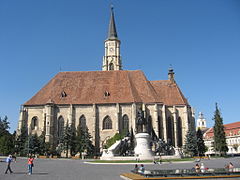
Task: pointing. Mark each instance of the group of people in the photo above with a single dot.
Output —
(10, 159)
(202, 168)
(139, 169)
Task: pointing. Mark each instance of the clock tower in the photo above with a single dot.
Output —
(112, 59)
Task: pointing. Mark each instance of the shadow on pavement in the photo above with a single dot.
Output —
(40, 173)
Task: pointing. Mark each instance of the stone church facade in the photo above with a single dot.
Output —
(107, 102)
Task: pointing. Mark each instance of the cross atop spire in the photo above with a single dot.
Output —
(112, 32)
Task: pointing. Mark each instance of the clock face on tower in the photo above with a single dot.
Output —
(111, 49)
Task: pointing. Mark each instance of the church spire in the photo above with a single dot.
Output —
(112, 58)
(112, 32)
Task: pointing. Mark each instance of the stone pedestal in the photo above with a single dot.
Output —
(142, 150)
(177, 153)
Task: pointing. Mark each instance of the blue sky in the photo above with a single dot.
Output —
(201, 39)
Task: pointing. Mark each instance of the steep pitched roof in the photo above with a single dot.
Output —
(230, 130)
(169, 93)
(88, 87)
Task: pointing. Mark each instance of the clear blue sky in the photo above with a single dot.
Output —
(201, 39)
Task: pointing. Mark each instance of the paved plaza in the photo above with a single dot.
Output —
(65, 169)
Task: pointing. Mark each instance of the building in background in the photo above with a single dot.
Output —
(201, 122)
(232, 132)
(107, 102)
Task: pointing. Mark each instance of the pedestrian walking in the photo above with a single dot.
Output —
(8, 161)
(30, 165)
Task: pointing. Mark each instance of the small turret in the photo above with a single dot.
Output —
(171, 74)
(201, 122)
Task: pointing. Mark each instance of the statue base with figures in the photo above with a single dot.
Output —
(142, 150)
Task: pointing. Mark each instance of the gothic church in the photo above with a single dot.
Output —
(107, 102)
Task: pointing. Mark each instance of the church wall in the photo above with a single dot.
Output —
(126, 109)
(35, 111)
(111, 111)
(62, 111)
(186, 116)
(115, 112)
(151, 110)
(181, 114)
(87, 111)
(159, 124)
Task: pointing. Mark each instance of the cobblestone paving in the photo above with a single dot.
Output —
(64, 169)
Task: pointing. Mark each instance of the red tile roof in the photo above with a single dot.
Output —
(169, 92)
(230, 130)
(100, 87)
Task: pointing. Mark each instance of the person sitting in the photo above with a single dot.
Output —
(229, 166)
(202, 167)
(141, 169)
(197, 168)
(136, 168)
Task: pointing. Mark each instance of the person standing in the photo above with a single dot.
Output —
(30, 165)
(8, 161)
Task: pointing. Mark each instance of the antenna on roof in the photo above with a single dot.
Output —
(60, 69)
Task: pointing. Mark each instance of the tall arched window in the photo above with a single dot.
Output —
(179, 132)
(160, 127)
(149, 125)
(34, 123)
(107, 123)
(111, 66)
(82, 122)
(170, 130)
(125, 125)
(60, 126)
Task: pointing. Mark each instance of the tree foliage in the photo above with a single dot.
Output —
(4, 126)
(220, 144)
(113, 139)
(6, 138)
(84, 142)
(200, 143)
(69, 139)
(33, 144)
(191, 143)
(20, 142)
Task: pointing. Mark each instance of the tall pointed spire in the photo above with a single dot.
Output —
(112, 32)
(112, 58)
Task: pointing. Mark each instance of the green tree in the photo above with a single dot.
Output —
(191, 143)
(84, 142)
(113, 139)
(42, 145)
(4, 126)
(69, 139)
(33, 144)
(6, 144)
(200, 143)
(20, 142)
(6, 138)
(220, 144)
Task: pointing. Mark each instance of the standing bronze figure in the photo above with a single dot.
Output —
(141, 122)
